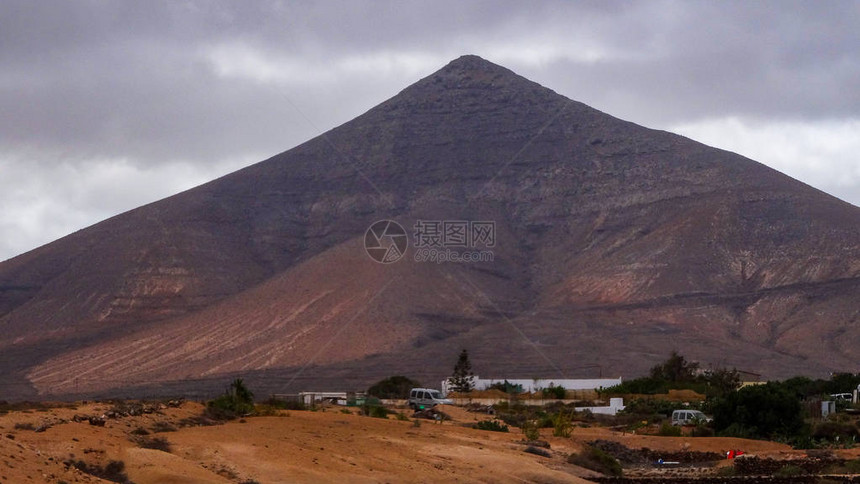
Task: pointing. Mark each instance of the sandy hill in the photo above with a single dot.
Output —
(614, 244)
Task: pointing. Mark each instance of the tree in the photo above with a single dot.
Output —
(723, 380)
(240, 392)
(759, 411)
(462, 380)
(393, 387)
(675, 369)
(236, 401)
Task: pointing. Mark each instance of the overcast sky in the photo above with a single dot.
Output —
(107, 105)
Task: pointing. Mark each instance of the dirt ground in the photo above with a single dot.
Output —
(303, 446)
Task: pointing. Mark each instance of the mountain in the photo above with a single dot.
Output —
(613, 245)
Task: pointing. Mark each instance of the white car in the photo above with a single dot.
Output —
(421, 398)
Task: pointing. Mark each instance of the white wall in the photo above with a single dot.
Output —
(532, 385)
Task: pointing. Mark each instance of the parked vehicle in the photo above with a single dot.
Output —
(688, 417)
(421, 398)
(845, 397)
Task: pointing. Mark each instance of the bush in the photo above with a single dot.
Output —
(265, 410)
(491, 425)
(157, 443)
(530, 430)
(163, 427)
(596, 460)
(561, 424)
(669, 430)
(554, 391)
(763, 411)
(676, 373)
(507, 387)
(114, 471)
(238, 401)
(737, 430)
(702, 431)
(376, 411)
(647, 408)
(393, 387)
(513, 419)
(835, 431)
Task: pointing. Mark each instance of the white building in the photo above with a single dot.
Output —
(536, 385)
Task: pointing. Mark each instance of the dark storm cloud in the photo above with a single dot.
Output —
(173, 93)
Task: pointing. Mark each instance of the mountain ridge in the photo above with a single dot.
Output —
(599, 221)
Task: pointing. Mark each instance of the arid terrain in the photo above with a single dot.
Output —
(52, 445)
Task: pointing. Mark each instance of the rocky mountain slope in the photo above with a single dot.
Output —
(614, 244)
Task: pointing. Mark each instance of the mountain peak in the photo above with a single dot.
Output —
(615, 242)
(473, 80)
(472, 67)
(471, 62)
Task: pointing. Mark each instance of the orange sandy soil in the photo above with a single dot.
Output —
(305, 446)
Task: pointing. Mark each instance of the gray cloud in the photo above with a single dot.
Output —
(164, 95)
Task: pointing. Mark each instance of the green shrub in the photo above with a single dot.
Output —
(530, 430)
(669, 430)
(507, 387)
(236, 402)
(376, 411)
(393, 387)
(789, 471)
(554, 391)
(596, 460)
(491, 425)
(561, 424)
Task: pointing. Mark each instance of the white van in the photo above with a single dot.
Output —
(688, 417)
(421, 398)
